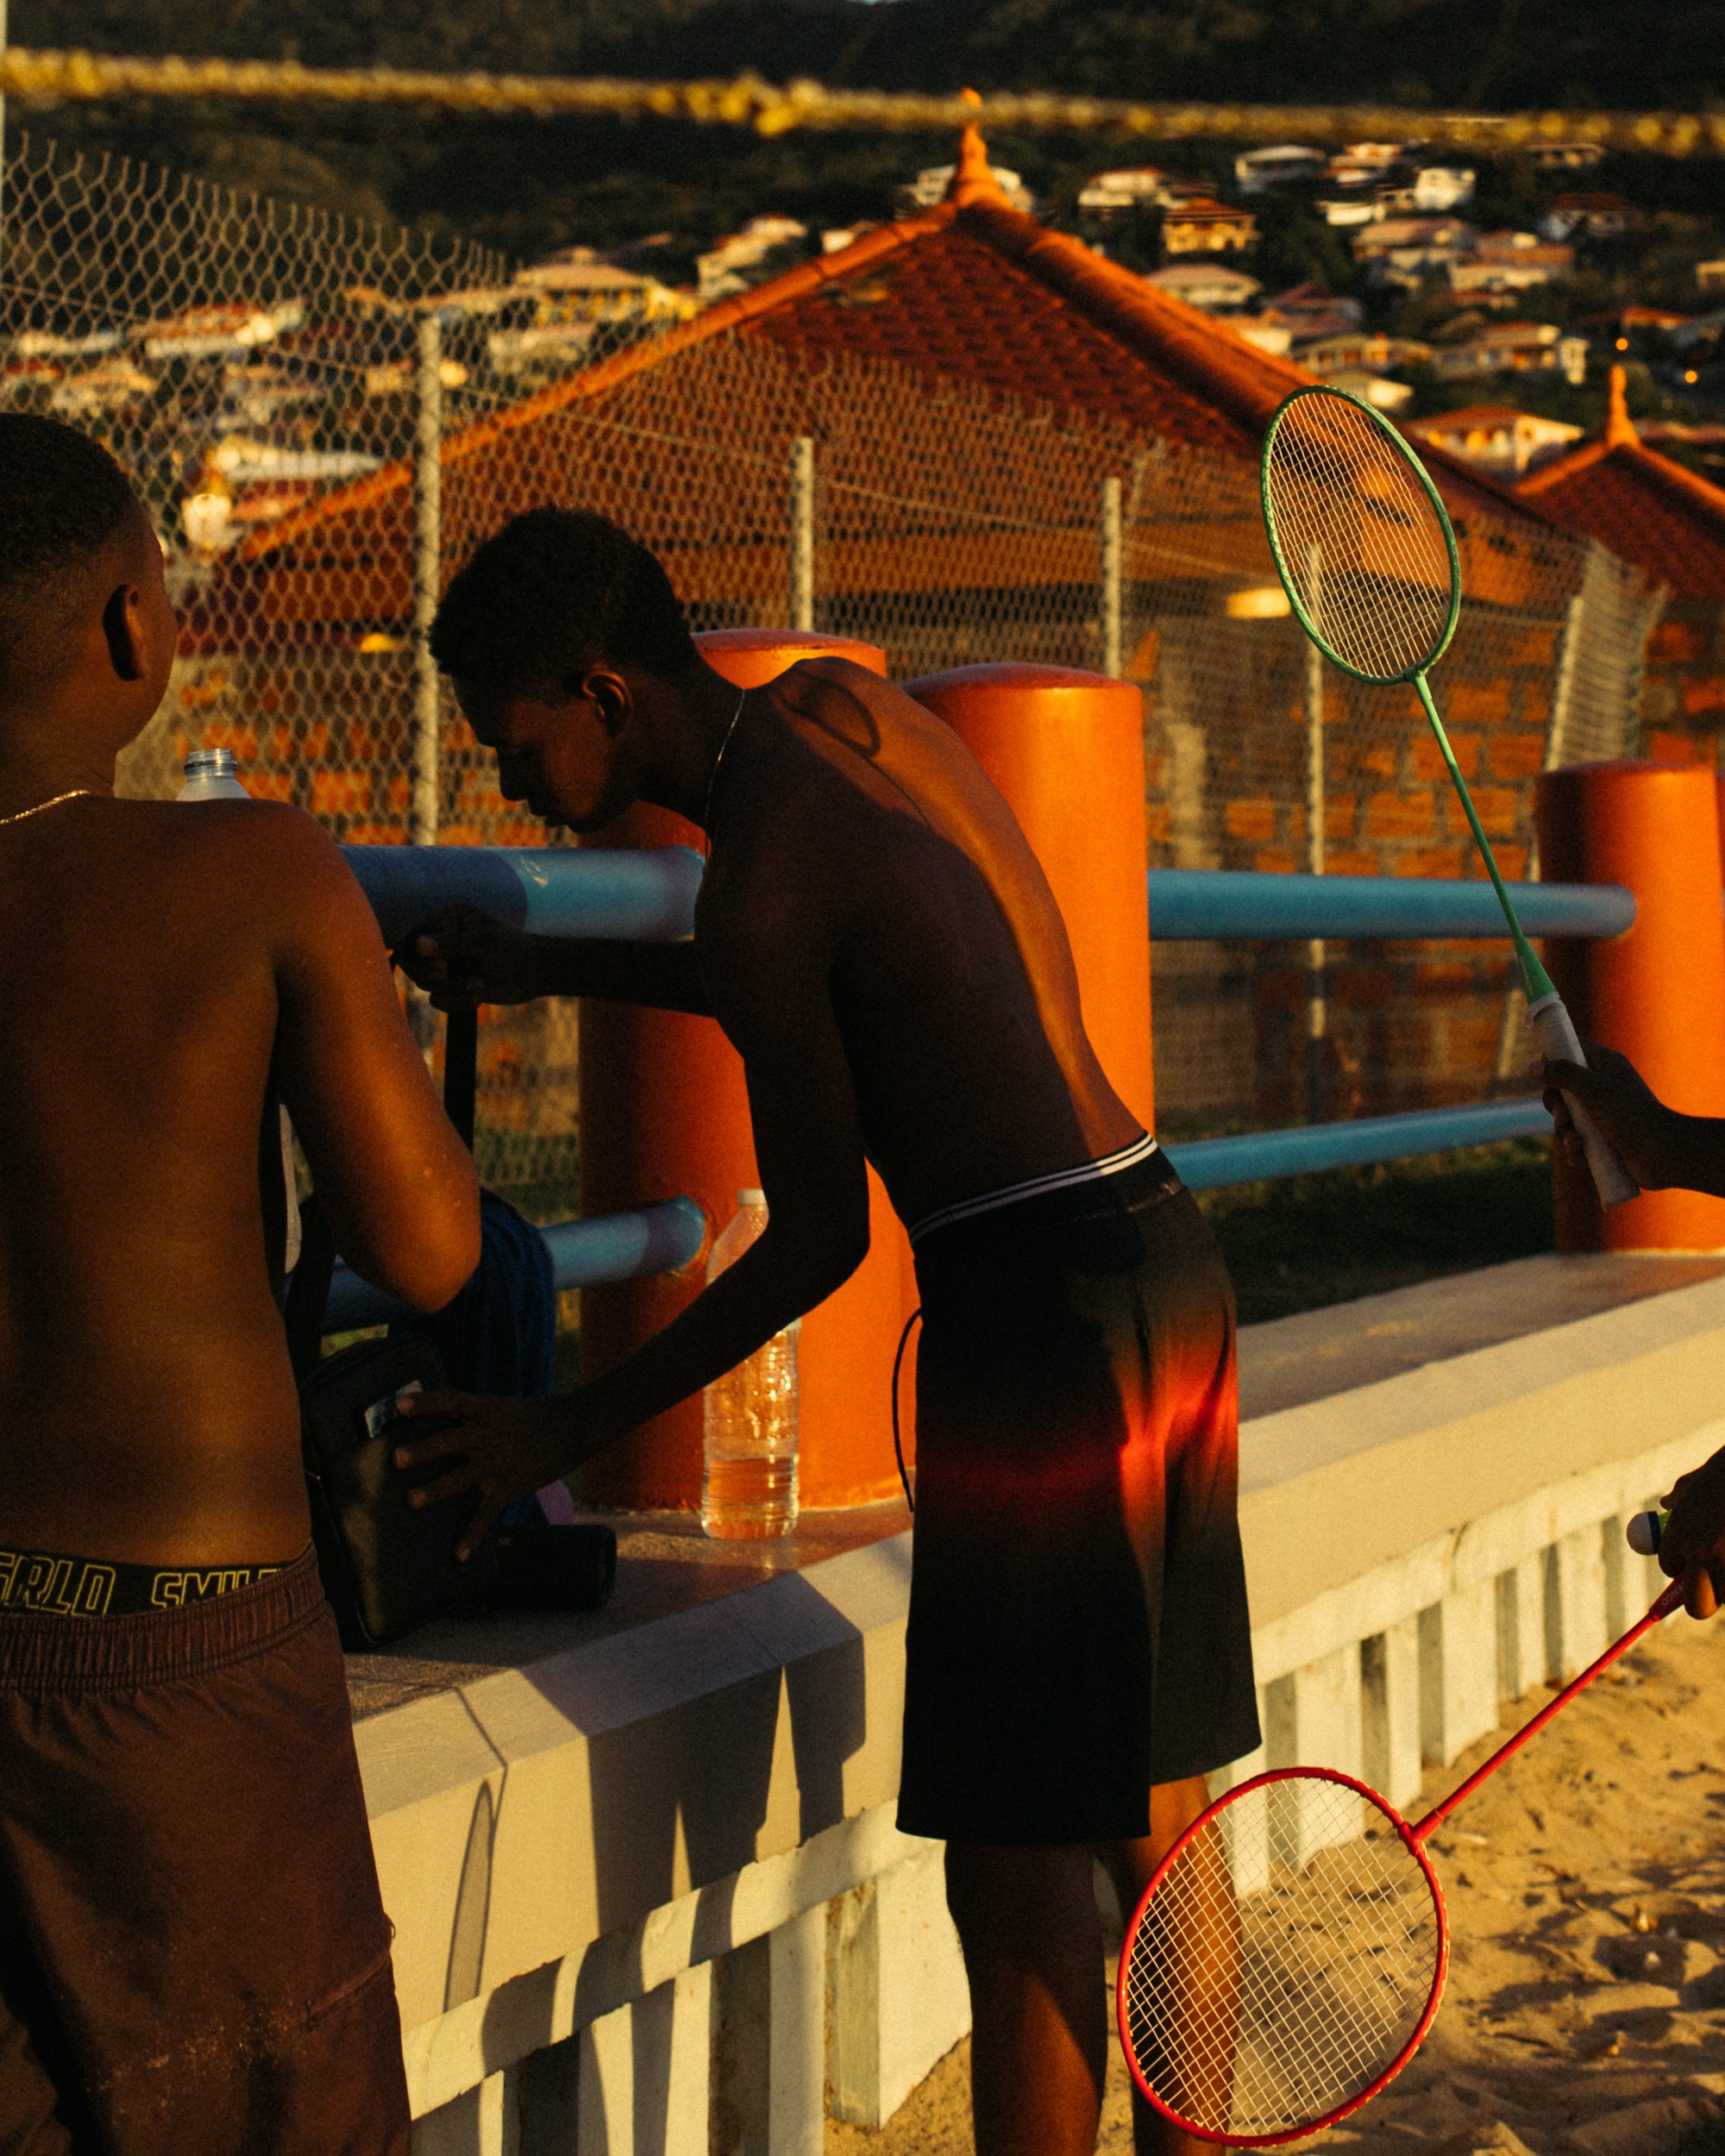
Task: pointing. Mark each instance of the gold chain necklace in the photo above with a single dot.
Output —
(18, 815)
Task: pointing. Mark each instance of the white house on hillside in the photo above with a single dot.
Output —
(1496, 438)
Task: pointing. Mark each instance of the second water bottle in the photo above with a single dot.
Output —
(748, 1479)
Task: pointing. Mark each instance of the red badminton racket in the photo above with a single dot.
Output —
(1287, 1957)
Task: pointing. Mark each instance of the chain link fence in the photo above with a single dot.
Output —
(326, 419)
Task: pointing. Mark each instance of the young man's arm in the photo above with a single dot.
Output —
(462, 957)
(396, 1184)
(808, 1147)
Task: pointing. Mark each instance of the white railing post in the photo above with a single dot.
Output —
(1109, 537)
(802, 532)
(428, 548)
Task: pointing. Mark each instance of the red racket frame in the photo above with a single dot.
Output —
(1428, 2012)
(1414, 1838)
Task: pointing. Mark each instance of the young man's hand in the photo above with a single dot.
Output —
(1645, 1133)
(462, 957)
(1694, 1539)
(501, 1449)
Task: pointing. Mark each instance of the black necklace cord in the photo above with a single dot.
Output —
(898, 1442)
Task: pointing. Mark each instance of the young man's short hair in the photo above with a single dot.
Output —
(63, 502)
(555, 593)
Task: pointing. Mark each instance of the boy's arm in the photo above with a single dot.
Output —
(462, 957)
(398, 1186)
(808, 1147)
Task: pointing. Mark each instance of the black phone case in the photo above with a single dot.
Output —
(387, 1567)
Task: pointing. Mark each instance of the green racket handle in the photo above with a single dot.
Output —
(1646, 1532)
(1535, 981)
(1546, 1012)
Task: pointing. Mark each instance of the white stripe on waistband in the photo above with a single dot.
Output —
(1087, 1171)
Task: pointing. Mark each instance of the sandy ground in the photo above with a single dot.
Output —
(1585, 1882)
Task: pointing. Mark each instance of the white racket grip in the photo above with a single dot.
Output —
(1558, 1044)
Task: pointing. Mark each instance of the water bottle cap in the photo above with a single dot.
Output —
(210, 763)
(751, 1197)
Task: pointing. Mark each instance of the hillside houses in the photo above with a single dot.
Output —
(1202, 227)
(1514, 347)
(1506, 263)
(1496, 439)
(1405, 251)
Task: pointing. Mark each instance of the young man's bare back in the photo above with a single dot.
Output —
(877, 941)
(192, 1952)
(174, 968)
(863, 864)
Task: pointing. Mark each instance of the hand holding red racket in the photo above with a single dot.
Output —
(1288, 1956)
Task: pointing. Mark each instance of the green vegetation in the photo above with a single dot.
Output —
(1315, 1240)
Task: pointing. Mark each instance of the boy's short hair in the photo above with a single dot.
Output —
(554, 593)
(63, 502)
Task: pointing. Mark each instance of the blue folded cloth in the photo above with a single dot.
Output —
(499, 1335)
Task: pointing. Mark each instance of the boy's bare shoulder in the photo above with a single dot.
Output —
(275, 856)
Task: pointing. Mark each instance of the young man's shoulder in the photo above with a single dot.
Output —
(265, 857)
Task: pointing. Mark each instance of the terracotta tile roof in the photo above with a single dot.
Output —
(972, 289)
(1645, 508)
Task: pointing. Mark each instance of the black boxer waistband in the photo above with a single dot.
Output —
(49, 1583)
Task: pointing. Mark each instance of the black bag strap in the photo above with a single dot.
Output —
(308, 1291)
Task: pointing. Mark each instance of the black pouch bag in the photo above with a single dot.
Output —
(386, 1568)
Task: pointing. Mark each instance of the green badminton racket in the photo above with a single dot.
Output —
(1366, 554)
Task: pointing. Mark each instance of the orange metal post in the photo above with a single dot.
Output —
(1067, 750)
(1657, 993)
(664, 1110)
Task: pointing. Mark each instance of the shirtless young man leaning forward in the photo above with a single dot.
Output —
(193, 1955)
(875, 937)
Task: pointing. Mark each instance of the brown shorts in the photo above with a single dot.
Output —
(1078, 1627)
(193, 1954)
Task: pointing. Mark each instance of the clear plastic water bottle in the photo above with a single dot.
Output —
(210, 775)
(748, 1480)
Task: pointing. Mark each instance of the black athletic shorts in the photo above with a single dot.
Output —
(1078, 1623)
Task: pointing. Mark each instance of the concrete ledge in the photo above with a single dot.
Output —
(668, 1846)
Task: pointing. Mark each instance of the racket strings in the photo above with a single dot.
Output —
(1359, 538)
(1284, 1964)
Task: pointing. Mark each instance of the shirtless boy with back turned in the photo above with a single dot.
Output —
(193, 1955)
(878, 941)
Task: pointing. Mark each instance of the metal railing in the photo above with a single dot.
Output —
(649, 896)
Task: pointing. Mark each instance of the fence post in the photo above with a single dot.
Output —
(428, 548)
(802, 532)
(1317, 1017)
(1109, 547)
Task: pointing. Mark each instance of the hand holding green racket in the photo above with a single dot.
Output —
(1365, 549)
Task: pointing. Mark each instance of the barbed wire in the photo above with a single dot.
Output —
(45, 77)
